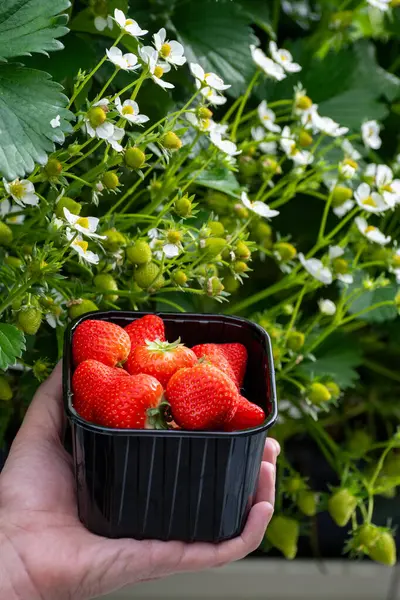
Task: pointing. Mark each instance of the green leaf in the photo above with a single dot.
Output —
(220, 179)
(258, 13)
(337, 358)
(369, 298)
(217, 36)
(12, 344)
(29, 100)
(31, 26)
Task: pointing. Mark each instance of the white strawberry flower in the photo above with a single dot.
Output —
(329, 126)
(259, 208)
(22, 191)
(327, 307)
(81, 247)
(369, 201)
(169, 50)
(373, 234)
(171, 250)
(283, 58)
(267, 117)
(204, 125)
(288, 145)
(370, 134)
(387, 186)
(349, 150)
(150, 56)
(102, 131)
(102, 23)
(270, 68)
(129, 110)
(335, 252)
(127, 25)
(316, 269)
(210, 80)
(346, 171)
(126, 62)
(115, 137)
(6, 212)
(85, 225)
(343, 209)
(258, 134)
(225, 146)
(383, 5)
(212, 97)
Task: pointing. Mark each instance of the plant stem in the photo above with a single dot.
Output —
(243, 104)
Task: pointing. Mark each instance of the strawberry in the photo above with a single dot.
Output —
(341, 505)
(247, 415)
(283, 533)
(160, 359)
(146, 329)
(384, 549)
(201, 397)
(128, 402)
(91, 377)
(229, 358)
(106, 342)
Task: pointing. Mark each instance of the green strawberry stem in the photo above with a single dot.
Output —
(159, 346)
(157, 417)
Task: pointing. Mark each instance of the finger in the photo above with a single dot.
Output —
(45, 416)
(266, 484)
(271, 450)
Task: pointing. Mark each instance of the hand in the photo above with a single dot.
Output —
(47, 554)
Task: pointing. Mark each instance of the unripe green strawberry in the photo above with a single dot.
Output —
(304, 102)
(110, 180)
(318, 393)
(13, 261)
(214, 287)
(367, 535)
(239, 266)
(134, 158)
(269, 165)
(384, 549)
(105, 282)
(295, 340)
(183, 207)
(149, 277)
(341, 505)
(52, 168)
(179, 277)
(340, 265)
(283, 534)
(65, 202)
(80, 307)
(242, 251)
(213, 246)
(6, 234)
(333, 388)
(305, 139)
(171, 141)
(29, 319)
(114, 240)
(207, 270)
(230, 283)
(340, 195)
(96, 116)
(216, 228)
(241, 211)
(5, 390)
(307, 502)
(263, 231)
(218, 202)
(285, 250)
(294, 484)
(139, 253)
(247, 166)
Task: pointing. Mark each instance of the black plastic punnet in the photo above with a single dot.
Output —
(173, 485)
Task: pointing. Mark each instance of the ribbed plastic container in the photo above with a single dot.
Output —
(173, 485)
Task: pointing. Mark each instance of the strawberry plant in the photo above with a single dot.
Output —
(226, 156)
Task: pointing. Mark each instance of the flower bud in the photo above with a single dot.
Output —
(305, 139)
(318, 393)
(285, 251)
(295, 340)
(134, 158)
(96, 116)
(340, 195)
(171, 141)
(110, 180)
(304, 102)
(52, 168)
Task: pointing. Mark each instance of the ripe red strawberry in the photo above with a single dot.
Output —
(160, 359)
(229, 358)
(99, 340)
(147, 328)
(247, 415)
(125, 403)
(201, 397)
(89, 380)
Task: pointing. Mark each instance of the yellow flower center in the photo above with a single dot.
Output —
(350, 162)
(369, 202)
(205, 123)
(82, 244)
(17, 189)
(158, 72)
(129, 22)
(165, 50)
(83, 222)
(128, 110)
(294, 150)
(283, 57)
(396, 260)
(370, 228)
(387, 188)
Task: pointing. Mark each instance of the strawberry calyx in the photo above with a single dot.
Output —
(160, 346)
(157, 417)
